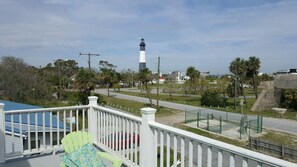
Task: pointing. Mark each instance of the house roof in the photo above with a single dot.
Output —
(24, 118)
(286, 81)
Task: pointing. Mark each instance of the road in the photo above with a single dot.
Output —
(283, 125)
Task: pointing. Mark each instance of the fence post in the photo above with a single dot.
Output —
(148, 147)
(207, 121)
(2, 134)
(185, 116)
(258, 124)
(93, 118)
(198, 119)
(220, 124)
(282, 151)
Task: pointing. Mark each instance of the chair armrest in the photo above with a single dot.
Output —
(62, 164)
(115, 161)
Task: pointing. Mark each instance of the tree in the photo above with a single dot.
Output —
(145, 76)
(253, 65)
(212, 99)
(170, 87)
(239, 69)
(85, 82)
(128, 77)
(64, 70)
(194, 76)
(108, 74)
(18, 80)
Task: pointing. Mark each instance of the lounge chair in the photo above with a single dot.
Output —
(80, 143)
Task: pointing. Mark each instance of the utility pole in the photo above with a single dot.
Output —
(158, 82)
(89, 54)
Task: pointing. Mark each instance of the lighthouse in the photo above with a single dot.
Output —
(142, 64)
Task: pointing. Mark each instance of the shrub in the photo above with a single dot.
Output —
(289, 98)
(213, 99)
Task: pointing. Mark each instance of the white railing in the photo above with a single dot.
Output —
(137, 141)
(38, 130)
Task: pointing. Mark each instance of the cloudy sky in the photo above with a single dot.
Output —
(206, 34)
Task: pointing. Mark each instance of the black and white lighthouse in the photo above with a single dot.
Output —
(142, 64)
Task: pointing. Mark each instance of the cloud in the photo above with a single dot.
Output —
(198, 33)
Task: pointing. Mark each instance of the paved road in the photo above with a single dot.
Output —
(284, 125)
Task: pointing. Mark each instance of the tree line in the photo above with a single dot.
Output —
(24, 83)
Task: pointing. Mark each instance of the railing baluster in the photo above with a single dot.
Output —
(182, 147)
(174, 150)
(51, 129)
(100, 127)
(136, 145)
(199, 158)
(120, 135)
(209, 156)
(116, 133)
(259, 164)
(64, 121)
(190, 153)
(21, 133)
(36, 132)
(123, 138)
(77, 121)
(232, 160)
(83, 120)
(104, 128)
(244, 162)
(58, 128)
(12, 133)
(70, 118)
(161, 148)
(127, 138)
(43, 129)
(109, 130)
(113, 132)
(220, 158)
(132, 140)
(168, 150)
(156, 147)
(29, 132)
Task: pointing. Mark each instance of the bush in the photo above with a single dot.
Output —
(213, 99)
(289, 98)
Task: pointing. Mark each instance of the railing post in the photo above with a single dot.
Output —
(2, 134)
(148, 152)
(92, 125)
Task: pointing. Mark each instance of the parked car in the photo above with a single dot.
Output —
(124, 140)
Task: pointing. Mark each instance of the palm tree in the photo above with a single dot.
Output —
(239, 69)
(253, 65)
(85, 82)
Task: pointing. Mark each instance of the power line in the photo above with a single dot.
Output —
(89, 54)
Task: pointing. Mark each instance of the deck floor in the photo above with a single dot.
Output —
(46, 160)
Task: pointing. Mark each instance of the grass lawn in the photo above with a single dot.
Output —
(134, 107)
(195, 101)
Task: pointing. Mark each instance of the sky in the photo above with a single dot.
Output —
(206, 34)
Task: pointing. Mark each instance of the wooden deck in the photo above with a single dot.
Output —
(46, 160)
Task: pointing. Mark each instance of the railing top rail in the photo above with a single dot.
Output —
(131, 117)
(224, 146)
(45, 109)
